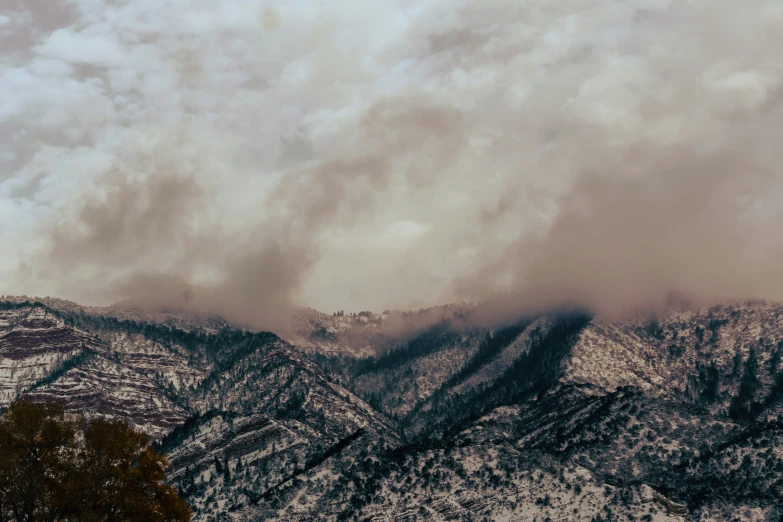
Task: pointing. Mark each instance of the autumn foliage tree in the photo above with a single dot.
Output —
(60, 468)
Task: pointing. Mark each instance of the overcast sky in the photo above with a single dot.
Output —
(391, 153)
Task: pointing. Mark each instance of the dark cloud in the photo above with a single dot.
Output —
(130, 216)
(643, 224)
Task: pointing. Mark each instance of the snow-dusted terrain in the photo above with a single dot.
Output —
(430, 415)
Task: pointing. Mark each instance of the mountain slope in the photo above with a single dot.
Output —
(34, 343)
(450, 374)
(699, 357)
(223, 399)
(106, 387)
(432, 415)
(686, 402)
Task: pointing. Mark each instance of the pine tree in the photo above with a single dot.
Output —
(226, 472)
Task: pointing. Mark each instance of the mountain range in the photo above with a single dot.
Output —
(435, 414)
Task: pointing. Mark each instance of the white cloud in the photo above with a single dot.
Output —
(78, 47)
(744, 89)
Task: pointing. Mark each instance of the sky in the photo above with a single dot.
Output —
(389, 154)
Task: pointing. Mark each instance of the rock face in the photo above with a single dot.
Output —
(105, 387)
(431, 415)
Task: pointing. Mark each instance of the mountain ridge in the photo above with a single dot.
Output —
(655, 417)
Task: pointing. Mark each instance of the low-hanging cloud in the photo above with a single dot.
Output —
(145, 239)
(701, 226)
(244, 159)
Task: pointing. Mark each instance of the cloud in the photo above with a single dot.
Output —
(388, 155)
(76, 47)
(685, 223)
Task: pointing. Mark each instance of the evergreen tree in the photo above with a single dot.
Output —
(743, 407)
(226, 472)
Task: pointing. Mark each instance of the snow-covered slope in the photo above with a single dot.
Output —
(686, 402)
(249, 398)
(500, 482)
(252, 400)
(701, 357)
(278, 414)
(34, 343)
(106, 387)
(431, 415)
(183, 318)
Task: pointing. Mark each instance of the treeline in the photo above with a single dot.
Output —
(222, 346)
(62, 368)
(431, 340)
(56, 467)
(491, 345)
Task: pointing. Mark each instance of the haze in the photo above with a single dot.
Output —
(389, 154)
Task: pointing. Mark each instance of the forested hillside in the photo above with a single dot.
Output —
(567, 416)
